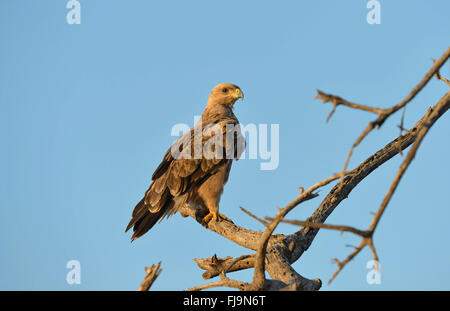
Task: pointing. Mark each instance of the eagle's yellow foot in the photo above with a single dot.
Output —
(216, 216)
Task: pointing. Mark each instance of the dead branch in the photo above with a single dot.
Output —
(441, 107)
(151, 273)
(255, 217)
(383, 113)
(340, 192)
(434, 114)
(223, 282)
(275, 253)
(316, 225)
(439, 77)
(214, 266)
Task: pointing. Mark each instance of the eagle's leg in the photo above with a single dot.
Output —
(211, 190)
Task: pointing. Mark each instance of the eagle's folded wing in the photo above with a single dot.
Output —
(183, 169)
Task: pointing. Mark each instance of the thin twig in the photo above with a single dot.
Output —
(265, 223)
(438, 75)
(317, 225)
(336, 100)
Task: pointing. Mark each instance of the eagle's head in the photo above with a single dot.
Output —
(225, 94)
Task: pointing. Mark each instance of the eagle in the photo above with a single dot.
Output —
(196, 167)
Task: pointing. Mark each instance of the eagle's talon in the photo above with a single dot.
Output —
(215, 216)
(223, 217)
(207, 219)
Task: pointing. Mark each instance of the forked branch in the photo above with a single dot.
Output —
(275, 253)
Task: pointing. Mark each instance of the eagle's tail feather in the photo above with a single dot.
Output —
(138, 213)
(142, 220)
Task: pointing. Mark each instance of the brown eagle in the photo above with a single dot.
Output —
(196, 167)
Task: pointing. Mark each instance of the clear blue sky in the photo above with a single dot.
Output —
(86, 112)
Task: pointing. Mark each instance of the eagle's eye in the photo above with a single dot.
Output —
(225, 90)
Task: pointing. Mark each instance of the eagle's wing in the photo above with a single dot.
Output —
(183, 168)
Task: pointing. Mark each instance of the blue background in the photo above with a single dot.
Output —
(86, 112)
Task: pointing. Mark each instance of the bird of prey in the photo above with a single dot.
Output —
(196, 167)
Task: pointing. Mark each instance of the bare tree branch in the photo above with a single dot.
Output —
(336, 100)
(316, 225)
(439, 77)
(275, 253)
(214, 266)
(439, 109)
(151, 273)
(223, 282)
(383, 114)
(255, 217)
(415, 135)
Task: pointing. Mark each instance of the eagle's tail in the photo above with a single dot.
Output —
(142, 220)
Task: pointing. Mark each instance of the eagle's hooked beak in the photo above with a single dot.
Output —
(238, 94)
